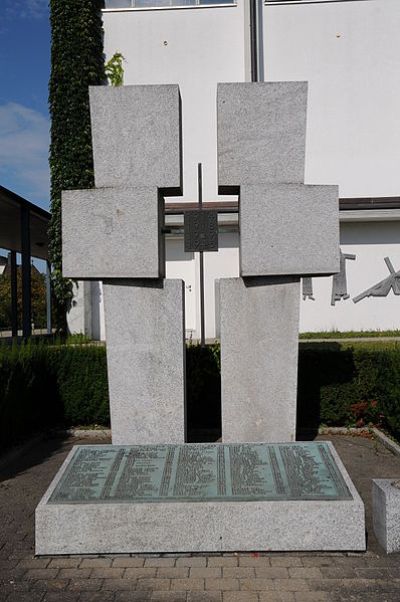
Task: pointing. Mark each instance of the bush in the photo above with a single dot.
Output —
(43, 385)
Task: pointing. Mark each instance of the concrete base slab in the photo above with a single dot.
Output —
(259, 348)
(386, 513)
(145, 326)
(241, 511)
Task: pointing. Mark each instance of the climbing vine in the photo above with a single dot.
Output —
(76, 62)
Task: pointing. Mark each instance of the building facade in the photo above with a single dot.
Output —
(349, 52)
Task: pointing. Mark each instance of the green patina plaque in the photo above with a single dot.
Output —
(199, 472)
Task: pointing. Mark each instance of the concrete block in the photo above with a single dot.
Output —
(137, 136)
(113, 233)
(259, 349)
(386, 513)
(145, 332)
(289, 229)
(261, 133)
(110, 527)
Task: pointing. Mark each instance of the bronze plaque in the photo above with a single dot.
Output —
(201, 230)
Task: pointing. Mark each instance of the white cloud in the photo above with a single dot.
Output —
(24, 147)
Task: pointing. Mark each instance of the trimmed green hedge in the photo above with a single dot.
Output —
(339, 384)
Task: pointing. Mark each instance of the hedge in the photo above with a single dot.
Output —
(44, 385)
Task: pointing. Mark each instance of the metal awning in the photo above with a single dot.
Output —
(11, 208)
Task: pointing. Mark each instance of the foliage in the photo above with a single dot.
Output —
(76, 63)
(38, 298)
(43, 385)
(339, 385)
(114, 69)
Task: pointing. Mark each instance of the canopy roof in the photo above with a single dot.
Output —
(10, 224)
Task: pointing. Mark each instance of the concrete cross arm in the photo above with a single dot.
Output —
(110, 233)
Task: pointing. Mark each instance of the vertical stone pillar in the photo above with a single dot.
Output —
(287, 230)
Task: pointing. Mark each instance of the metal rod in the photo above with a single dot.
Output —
(202, 320)
(253, 41)
(26, 273)
(14, 293)
(48, 297)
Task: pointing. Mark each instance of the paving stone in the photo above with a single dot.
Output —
(101, 596)
(204, 596)
(342, 572)
(85, 584)
(119, 584)
(173, 572)
(206, 573)
(257, 584)
(286, 561)
(194, 561)
(26, 597)
(30, 562)
(305, 573)
(68, 597)
(159, 562)
(156, 584)
(319, 561)
(291, 585)
(254, 561)
(240, 597)
(276, 596)
(77, 573)
(223, 561)
(187, 584)
(137, 573)
(272, 572)
(312, 597)
(149, 596)
(41, 573)
(373, 573)
(224, 584)
(64, 563)
(94, 563)
(237, 572)
(107, 573)
(134, 562)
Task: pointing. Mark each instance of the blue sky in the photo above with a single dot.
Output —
(24, 120)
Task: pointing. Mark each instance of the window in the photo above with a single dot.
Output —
(161, 3)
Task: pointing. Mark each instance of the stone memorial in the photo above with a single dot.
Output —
(386, 513)
(287, 231)
(200, 497)
(150, 491)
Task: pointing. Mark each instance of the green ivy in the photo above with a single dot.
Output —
(76, 62)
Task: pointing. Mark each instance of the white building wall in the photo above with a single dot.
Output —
(350, 53)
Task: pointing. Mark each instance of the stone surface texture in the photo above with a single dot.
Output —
(289, 229)
(113, 233)
(386, 514)
(145, 329)
(199, 526)
(259, 347)
(136, 133)
(261, 133)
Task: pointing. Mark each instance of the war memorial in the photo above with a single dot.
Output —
(150, 491)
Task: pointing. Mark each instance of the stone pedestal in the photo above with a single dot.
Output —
(145, 330)
(386, 513)
(200, 498)
(259, 349)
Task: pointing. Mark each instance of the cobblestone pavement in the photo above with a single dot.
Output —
(370, 576)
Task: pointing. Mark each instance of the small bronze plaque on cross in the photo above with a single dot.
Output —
(201, 230)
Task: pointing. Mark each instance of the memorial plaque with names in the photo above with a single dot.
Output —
(201, 472)
(201, 230)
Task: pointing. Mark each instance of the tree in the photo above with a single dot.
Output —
(38, 298)
(77, 62)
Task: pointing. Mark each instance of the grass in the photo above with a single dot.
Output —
(350, 334)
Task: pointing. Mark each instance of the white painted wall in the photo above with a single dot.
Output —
(371, 242)
(349, 52)
(196, 48)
